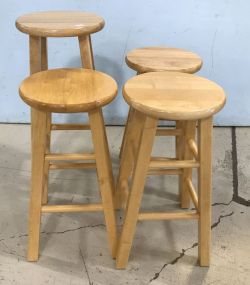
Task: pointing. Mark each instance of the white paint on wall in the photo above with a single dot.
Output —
(219, 31)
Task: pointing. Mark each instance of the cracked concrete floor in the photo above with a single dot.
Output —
(73, 247)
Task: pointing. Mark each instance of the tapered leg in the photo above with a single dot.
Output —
(38, 130)
(35, 54)
(137, 187)
(46, 163)
(204, 189)
(125, 133)
(105, 175)
(44, 66)
(130, 147)
(86, 51)
(189, 129)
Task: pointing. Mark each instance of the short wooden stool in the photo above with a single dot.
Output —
(169, 96)
(42, 25)
(69, 91)
(153, 59)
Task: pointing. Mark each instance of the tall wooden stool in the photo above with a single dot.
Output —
(169, 96)
(69, 91)
(42, 25)
(153, 59)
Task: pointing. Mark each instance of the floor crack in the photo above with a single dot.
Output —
(181, 254)
(84, 263)
(59, 232)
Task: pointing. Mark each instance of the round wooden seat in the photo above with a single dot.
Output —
(68, 90)
(174, 95)
(163, 59)
(59, 23)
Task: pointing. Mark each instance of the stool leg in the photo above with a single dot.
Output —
(131, 142)
(204, 189)
(38, 138)
(46, 163)
(86, 51)
(137, 187)
(125, 132)
(44, 66)
(35, 54)
(105, 175)
(189, 129)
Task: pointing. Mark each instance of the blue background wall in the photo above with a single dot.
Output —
(217, 30)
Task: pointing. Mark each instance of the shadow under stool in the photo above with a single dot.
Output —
(42, 25)
(155, 59)
(170, 96)
(69, 91)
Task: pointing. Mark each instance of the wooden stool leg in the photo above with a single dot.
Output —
(44, 66)
(86, 52)
(38, 131)
(189, 129)
(105, 175)
(125, 132)
(46, 163)
(35, 54)
(204, 189)
(137, 187)
(130, 147)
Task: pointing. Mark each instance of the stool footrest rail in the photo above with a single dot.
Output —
(65, 127)
(188, 215)
(72, 208)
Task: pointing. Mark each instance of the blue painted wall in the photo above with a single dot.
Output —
(217, 30)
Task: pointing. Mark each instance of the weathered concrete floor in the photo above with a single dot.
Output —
(74, 246)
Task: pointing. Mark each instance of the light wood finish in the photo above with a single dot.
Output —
(204, 189)
(168, 216)
(151, 59)
(56, 166)
(174, 164)
(189, 129)
(174, 95)
(72, 208)
(134, 127)
(70, 156)
(50, 90)
(35, 54)
(169, 132)
(86, 52)
(161, 171)
(59, 23)
(193, 147)
(38, 130)
(63, 127)
(137, 187)
(192, 192)
(105, 175)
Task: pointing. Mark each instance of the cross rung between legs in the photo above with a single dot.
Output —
(54, 166)
(70, 156)
(174, 164)
(168, 216)
(64, 127)
(72, 208)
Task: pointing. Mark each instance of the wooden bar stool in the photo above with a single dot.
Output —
(69, 91)
(153, 59)
(169, 96)
(42, 25)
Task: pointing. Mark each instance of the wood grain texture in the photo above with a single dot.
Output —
(174, 95)
(136, 191)
(105, 175)
(59, 23)
(205, 128)
(38, 130)
(163, 59)
(68, 90)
